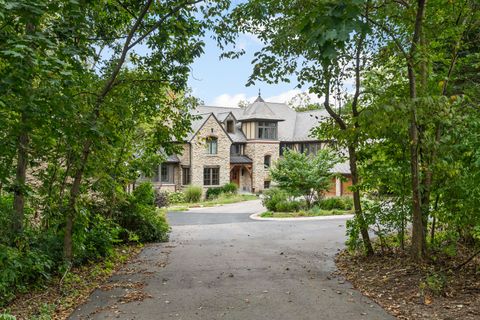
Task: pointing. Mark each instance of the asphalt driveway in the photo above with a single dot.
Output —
(222, 265)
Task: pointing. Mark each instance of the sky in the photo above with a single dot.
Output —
(222, 82)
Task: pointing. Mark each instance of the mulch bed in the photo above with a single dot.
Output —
(407, 290)
(61, 296)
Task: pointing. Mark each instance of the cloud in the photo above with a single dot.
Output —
(227, 100)
(286, 96)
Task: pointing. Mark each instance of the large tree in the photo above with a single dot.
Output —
(323, 44)
(82, 81)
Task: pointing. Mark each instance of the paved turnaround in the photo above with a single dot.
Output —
(220, 264)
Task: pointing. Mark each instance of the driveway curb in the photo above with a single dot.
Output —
(256, 216)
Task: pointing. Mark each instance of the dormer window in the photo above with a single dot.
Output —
(230, 126)
(212, 145)
(236, 149)
(267, 130)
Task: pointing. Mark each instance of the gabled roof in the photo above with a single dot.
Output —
(294, 126)
(342, 168)
(197, 124)
(200, 122)
(172, 159)
(259, 110)
(305, 122)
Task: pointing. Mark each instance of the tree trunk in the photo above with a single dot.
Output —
(64, 180)
(418, 234)
(357, 203)
(417, 250)
(71, 209)
(22, 160)
(20, 179)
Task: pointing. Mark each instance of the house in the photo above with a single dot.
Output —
(240, 144)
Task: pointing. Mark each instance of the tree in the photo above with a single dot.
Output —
(410, 33)
(302, 102)
(302, 175)
(71, 83)
(318, 42)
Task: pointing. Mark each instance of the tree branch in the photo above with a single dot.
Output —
(162, 20)
(126, 47)
(392, 36)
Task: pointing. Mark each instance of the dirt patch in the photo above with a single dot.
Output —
(409, 291)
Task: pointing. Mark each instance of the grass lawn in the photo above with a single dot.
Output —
(221, 200)
(302, 213)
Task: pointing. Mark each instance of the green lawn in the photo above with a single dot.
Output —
(221, 200)
(302, 213)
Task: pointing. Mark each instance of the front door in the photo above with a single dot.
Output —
(235, 176)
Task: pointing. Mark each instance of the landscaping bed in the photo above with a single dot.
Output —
(303, 213)
(221, 200)
(62, 294)
(192, 197)
(410, 291)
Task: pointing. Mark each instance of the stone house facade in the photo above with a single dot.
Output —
(240, 144)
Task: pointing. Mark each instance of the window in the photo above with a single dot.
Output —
(212, 145)
(266, 185)
(285, 146)
(211, 176)
(267, 130)
(166, 173)
(230, 126)
(236, 149)
(185, 176)
(311, 148)
(267, 161)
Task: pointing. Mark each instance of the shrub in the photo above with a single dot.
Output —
(21, 268)
(348, 202)
(144, 194)
(145, 221)
(176, 197)
(230, 188)
(193, 194)
(272, 197)
(162, 199)
(6, 316)
(213, 193)
(288, 206)
(6, 209)
(94, 238)
(340, 203)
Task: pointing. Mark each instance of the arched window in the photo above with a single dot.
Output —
(267, 161)
(212, 145)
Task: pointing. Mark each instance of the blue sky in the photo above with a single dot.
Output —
(222, 82)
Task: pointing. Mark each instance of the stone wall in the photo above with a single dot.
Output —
(257, 150)
(184, 155)
(201, 159)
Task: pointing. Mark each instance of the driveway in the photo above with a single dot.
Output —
(220, 264)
